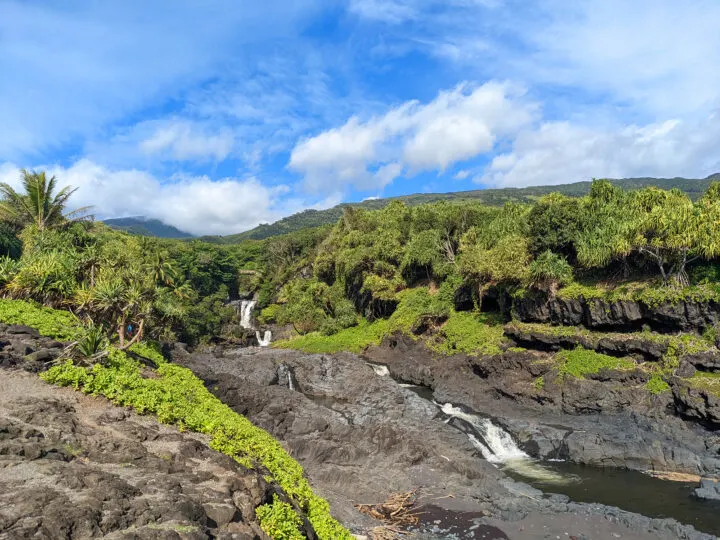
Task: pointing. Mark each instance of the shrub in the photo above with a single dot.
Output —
(279, 520)
(548, 271)
(581, 362)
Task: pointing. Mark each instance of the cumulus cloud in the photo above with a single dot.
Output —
(195, 204)
(457, 125)
(561, 152)
(183, 141)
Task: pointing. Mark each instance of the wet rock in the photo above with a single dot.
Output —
(709, 489)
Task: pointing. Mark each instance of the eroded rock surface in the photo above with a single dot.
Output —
(361, 436)
(74, 467)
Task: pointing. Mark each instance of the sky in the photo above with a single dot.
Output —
(217, 116)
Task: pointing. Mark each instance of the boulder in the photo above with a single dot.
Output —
(709, 489)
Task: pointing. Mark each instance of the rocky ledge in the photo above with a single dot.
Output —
(74, 467)
(361, 437)
(683, 315)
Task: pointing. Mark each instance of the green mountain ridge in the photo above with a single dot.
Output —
(494, 197)
(143, 226)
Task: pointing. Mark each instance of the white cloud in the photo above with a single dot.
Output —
(195, 204)
(560, 152)
(183, 141)
(388, 11)
(461, 175)
(458, 125)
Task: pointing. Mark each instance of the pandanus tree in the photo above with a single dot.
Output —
(41, 204)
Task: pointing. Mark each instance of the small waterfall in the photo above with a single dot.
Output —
(246, 321)
(380, 370)
(265, 339)
(497, 446)
(246, 310)
(291, 385)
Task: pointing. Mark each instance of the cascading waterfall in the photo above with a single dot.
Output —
(265, 339)
(498, 446)
(291, 384)
(246, 311)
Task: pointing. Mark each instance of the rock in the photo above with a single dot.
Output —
(709, 489)
(67, 474)
(707, 361)
(18, 329)
(685, 370)
(618, 315)
(42, 355)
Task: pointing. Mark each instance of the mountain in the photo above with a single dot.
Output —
(146, 227)
(494, 197)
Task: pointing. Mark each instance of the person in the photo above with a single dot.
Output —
(129, 330)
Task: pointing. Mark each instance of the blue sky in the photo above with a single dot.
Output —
(216, 116)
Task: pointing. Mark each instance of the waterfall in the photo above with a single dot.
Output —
(291, 385)
(380, 371)
(495, 444)
(246, 310)
(265, 339)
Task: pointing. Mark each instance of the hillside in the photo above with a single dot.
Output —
(146, 227)
(493, 197)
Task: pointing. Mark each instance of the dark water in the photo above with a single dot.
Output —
(625, 489)
(629, 490)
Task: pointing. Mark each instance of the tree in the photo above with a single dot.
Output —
(39, 205)
(554, 223)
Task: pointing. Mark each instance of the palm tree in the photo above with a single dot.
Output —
(39, 205)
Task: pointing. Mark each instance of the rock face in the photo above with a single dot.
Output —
(360, 436)
(618, 315)
(607, 419)
(76, 467)
(709, 489)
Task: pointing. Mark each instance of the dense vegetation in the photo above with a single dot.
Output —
(647, 244)
(146, 227)
(492, 197)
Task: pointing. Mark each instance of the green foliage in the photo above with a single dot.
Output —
(539, 383)
(270, 314)
(354, 339)
(549, 270)
(279, 520)
(710, 382)
(581, 362)
(554, 223)
(469, 333)
(656, 385)
(177, 397)
(39, 204)
(92, 341)
(60, 325)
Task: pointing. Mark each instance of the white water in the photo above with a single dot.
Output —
(246, 311)
(380, 371)
(264, 340)
(291, 385)
(498, 446)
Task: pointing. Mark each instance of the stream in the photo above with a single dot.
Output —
(625, 489)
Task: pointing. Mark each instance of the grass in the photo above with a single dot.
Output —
(581, 362)
(60, 325)
(710, 382)
(469, 333)
(656, 385)
(354, 339)
(651, 293)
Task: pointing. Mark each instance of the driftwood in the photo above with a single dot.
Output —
(399, 510)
